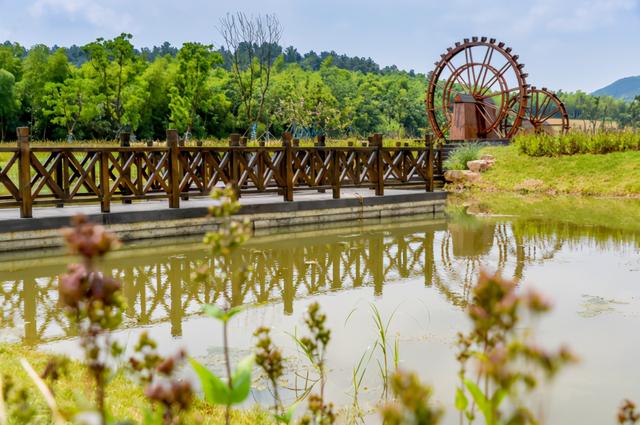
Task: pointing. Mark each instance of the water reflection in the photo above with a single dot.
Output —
(158, 286)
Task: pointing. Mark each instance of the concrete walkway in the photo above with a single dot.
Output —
(151, 219)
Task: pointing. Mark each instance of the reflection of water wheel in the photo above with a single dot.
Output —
(544, 113)
(471, 241)
(481, 77)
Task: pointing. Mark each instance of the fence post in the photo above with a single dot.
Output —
(105, 190)
(377, 141)
(24, 172)
(234, 142)
(288, 166)
(125, 142)
(321, 143)
(430, 160)
(234, 139)
(335, 173)
(174, 169)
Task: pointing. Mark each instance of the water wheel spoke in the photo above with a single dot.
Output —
(540, 111)
(456, 74)
(554, 111)
(485, 65)
(496, 77)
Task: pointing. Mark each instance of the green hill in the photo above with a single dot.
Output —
(625, 88)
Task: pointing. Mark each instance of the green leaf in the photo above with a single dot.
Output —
(480, 399)
(235, 310)
(461, 400)
(215, 390)
(214, 311)
(287, 417)
(241, 381)
(218, 313)
(497, 398)
(152, 417)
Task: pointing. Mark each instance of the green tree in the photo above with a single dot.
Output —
(72, 102)
(189, 94)
(40, 68)
(113, 63)
(9, 104)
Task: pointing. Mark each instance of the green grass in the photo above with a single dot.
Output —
(613, 174)
(124, 398)
(458, 159)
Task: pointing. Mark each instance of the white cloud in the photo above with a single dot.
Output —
(89, 11)
(539, 16)
(576, 16)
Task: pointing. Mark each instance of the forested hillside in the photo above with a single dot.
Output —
(107, 86)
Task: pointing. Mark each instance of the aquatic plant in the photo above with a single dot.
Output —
(383, 345)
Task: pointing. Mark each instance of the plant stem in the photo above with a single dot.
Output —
(225, 335)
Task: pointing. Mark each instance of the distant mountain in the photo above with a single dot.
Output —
(625, 88)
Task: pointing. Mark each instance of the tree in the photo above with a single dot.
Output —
(71, 102)
(154, 84)
(40, 67)
(112, 61)
(253, 44)
(189, 94)
(9, 105)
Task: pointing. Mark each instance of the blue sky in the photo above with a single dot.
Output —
(565, 44)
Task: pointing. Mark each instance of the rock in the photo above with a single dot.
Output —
(489, 158)
(478, 165)
(530, 185)
(461, 176)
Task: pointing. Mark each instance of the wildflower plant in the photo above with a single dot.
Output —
(270, 360)
(171, 395)
(412, 405)
(236, 387)
(314, 346)
(508, 363)
(94, 303)
(628, 413)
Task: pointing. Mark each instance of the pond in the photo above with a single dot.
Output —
(584, 256)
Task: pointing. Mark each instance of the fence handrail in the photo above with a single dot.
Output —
(104, 174)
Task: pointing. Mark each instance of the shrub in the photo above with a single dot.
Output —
(458, 158)
(578, 143)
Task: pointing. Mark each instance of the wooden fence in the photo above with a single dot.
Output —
(68, 174)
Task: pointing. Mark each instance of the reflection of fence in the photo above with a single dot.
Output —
(37, 175)
(159, 288)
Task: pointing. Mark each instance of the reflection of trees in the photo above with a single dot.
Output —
(159, 288)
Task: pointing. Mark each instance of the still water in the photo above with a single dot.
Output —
(418, 270)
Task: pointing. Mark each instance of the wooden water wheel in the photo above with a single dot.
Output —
(471, 89)
(544, 113)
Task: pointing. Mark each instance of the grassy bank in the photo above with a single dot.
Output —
(123, 396)
(613, 174)
(618, 214)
